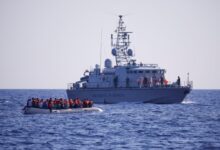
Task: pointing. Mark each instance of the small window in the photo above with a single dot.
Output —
(147, 71)
(154, 71)
(140, 71)
(135, 71)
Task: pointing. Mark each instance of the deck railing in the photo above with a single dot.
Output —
(189, 84)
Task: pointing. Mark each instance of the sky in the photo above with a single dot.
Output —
(46, 44)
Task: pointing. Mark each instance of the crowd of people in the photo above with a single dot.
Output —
(59, 103)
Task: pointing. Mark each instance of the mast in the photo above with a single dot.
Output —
(120, 44)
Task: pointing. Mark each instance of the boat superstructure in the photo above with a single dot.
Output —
(127, 81)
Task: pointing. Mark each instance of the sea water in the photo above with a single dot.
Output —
(193, 124)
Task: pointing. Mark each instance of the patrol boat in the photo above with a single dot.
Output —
(127, 81)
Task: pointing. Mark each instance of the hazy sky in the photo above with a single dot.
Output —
(49, 43)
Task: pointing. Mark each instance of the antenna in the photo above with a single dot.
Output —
(100, 52)
(188, 79)
(121, 43)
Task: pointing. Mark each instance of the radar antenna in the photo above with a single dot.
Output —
(120, 44)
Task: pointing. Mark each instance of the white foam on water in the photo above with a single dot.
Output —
(188, 101)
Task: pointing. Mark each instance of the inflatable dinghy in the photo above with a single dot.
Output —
(33, 110)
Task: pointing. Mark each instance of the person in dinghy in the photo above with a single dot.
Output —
(58, 103)
(45, 106)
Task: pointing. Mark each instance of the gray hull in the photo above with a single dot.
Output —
(146, 95)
